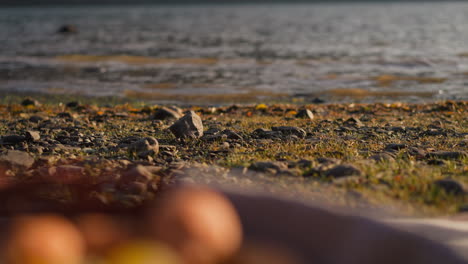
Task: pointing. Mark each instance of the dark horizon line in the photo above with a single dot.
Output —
(58, 3)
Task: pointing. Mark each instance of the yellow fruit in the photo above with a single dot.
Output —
(143, 252)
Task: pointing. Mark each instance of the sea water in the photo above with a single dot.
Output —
(339, 52)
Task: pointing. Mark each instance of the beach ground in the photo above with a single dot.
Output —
(407, 158)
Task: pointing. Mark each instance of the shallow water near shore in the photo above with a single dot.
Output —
(240, 53)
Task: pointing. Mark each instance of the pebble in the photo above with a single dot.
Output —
(384, 156)
(324, 160)
(231, 134)
(434, 132)
(413, 151)
(447, 155)
(33, 136)
(212, 131)
(12, 139)
(225, 145)
(65, 115)
(343, 171)
(436, 162)
(165, 113)
(395, 146)
(189, 126)
(305, 113)
(353, 121)
(266, 134)
(30, 102)
(145, 147)
(304, 163)
(16, 158)
(73, 104)
(36, 119)
(211, 138)
(450, 186)
(290, 130)
(268, 166)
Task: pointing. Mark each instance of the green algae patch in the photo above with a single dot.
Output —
(357, 92)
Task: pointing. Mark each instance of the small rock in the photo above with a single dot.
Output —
(266, 134)
(290, 130)
(267, 166)
(450, 186)
(73, 104)
(168, 148)
(413, 151)
(165, 113)
(30, 102)
(65, 115)
(436, 162)
(145, 147)
(12, 139)
(15, 158)
(231, 134)
(33, 136)
(353, 121)
(36, 119)
(304, 163)
(384, 156)
(434, 132)
(189, 126)
(225, 145)
(463, 143)
(324, 160)
(211, 131)
(305, 113)
(395, 146)
(397, 129)
(37, 149)
(343, 171)
(211, 138)
(447, 155)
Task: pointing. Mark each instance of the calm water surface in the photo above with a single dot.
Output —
(416, 52)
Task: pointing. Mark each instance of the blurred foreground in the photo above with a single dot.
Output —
(198, 225)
